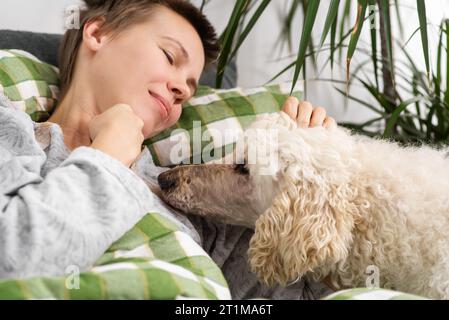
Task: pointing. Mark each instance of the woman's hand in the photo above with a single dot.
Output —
(306, 115)
(118, 133)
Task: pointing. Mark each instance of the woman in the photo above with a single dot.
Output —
(67, 190)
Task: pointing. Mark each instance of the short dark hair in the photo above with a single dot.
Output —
(120, 14)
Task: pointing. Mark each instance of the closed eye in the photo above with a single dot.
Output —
(169, 57)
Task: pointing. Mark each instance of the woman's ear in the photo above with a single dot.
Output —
(93, 35)
(307, 229)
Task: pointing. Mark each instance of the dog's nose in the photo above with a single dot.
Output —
(166, 181)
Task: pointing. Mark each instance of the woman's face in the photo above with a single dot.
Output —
(153, 66)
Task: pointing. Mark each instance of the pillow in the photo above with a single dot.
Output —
(44, 46)
(218, 116)
(30, 85)
(211, 122)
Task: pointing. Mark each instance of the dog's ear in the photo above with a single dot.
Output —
(307, 229)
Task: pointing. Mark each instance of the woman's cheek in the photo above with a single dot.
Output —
(151, 129)
(175, 115)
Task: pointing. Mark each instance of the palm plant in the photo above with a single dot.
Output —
(420, 117)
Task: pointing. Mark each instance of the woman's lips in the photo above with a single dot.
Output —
(163, 108)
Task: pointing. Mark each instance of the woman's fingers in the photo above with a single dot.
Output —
(318, 117)
(306, 115)
(305, 110)
(291, 107)
(329, 123)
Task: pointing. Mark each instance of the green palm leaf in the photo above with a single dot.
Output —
(331, 16)
(309, 21)
(361, 12)
(228, 37)
(421, 6)
(249, 26)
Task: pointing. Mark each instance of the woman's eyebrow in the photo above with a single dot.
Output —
(184, 51)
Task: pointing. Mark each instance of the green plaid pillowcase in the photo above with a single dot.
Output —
(154, 260)
(211, 122)
(30, 84)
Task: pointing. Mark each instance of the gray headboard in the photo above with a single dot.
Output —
(45, 47)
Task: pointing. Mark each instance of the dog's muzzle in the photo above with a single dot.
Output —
(166, 181)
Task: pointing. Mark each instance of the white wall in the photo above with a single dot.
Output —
(34, 15)
(257, 59)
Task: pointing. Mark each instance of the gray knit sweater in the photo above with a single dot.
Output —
(60, 208)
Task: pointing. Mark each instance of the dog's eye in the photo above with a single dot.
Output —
(241, 168)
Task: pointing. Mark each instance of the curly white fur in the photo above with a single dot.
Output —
(349, 202)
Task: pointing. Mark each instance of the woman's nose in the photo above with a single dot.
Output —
(180, 90)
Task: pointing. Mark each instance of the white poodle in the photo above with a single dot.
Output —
(335, 205)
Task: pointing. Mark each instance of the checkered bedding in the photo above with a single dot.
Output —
(154, 260)
(31, 85)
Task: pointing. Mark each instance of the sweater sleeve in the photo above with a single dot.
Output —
(67, 218)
